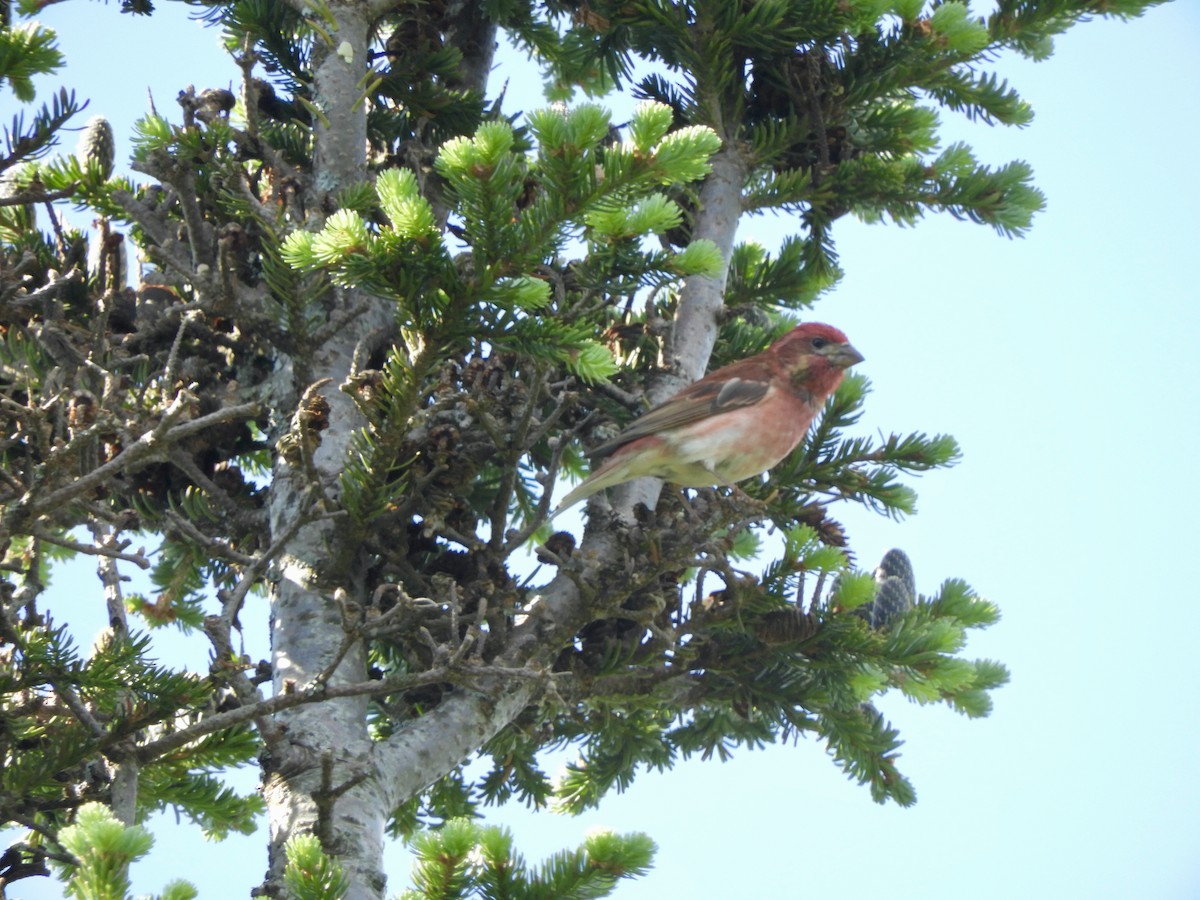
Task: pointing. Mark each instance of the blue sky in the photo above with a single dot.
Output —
(1066, 364)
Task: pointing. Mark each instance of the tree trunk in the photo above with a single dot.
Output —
(324, 773)
(319, 776)
(694, 331)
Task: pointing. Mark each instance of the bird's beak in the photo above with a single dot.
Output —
(844, 356)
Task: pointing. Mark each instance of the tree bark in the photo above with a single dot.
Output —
(319, 776)
(697, 320)
(326, 775)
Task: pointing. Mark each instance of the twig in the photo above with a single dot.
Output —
(36, 197)
(327, 795)
(246, 60)
(367, 345)
(138, 559)
(78, 708)
(18, 411)
(198, 231)
(516, 446)
(516, 539)
(481, 633)
(635, 402)
(564, 403)
(149, 445)
(111, 577)
(50, 835)
(353, 634)
(215, 547)
(172, 365)
(338, 322)
(154, 224)
(188, 467)
(50, 289)
(258, 564)
(56, 223)
(371, 688)
(225, 665)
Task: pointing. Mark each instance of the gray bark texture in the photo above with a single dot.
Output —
(324, 773)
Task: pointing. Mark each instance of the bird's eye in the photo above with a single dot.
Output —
(819, 343)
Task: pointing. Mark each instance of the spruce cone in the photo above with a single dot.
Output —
(96, 145)
(897, 590)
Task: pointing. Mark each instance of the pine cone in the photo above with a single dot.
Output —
(896, 593)
(783, 626)
(96, 147)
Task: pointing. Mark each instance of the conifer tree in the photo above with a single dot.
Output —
(376, 322)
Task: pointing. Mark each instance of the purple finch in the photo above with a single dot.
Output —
(733, 423)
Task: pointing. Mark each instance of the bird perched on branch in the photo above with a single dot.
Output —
(733, 423)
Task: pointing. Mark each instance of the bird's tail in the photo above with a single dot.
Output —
(612, 472)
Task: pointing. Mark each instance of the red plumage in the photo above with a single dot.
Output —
(733, 423)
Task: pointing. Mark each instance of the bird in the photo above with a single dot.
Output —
(732, 424)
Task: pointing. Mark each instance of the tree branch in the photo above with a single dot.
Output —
(475, 677)
(138, 559)
(150, 445)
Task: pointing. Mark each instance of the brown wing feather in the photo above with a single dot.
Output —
(698, 401)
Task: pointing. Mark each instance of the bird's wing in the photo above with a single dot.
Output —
(701, 400)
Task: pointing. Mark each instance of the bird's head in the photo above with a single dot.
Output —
(815, 356)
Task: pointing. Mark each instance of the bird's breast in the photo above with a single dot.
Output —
(743, 442)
